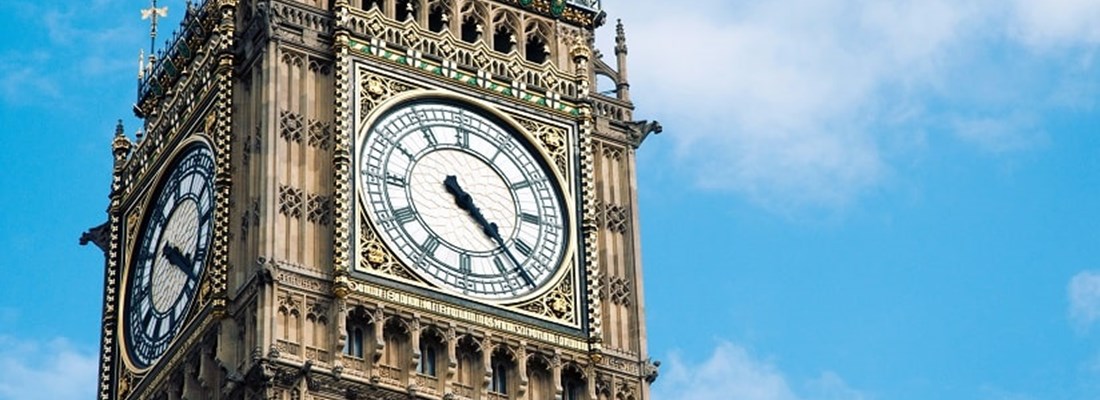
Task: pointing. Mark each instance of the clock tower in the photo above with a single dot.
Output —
(377, 199)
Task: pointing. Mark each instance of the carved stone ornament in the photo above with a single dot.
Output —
(373, 90)
(559, 303)
(640, 130)
(132, 222)
(99, 236)
(553, 140)
(376, 258)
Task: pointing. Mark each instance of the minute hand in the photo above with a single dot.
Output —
(466, 202)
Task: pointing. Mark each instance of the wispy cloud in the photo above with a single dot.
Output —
(80, 47)
(1058, 22)
(732, 372)
(45, 370)
(1084, 298)
(801, 103)
(1014, 132)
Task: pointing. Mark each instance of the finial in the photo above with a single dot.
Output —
(151, 14)
(120, 146)
(620, 38)
(141, 64)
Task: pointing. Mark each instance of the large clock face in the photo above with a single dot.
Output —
(170, 258)
(462, 200)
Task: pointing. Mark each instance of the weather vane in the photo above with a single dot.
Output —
(151, 14)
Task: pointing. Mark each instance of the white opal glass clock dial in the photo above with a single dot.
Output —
(170, 258)
(462, 199)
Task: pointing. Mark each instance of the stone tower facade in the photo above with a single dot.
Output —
(378, 199)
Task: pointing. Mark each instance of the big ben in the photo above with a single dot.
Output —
(378, 199)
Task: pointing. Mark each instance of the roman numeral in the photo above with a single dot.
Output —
(464, 263)
(395, 180)
(147, 317)
(430, 245)
(404, 215)
(429, 136)
(529, 218)
(403, 151)
(521, 185)
(462, 138)
(140, 294)
(206, 215)
(172, 320)
(523, 248)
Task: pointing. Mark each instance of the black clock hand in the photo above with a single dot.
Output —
(177, 258)
(466, 202)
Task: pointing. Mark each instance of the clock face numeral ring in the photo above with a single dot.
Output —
(168, 263)
(462, 199)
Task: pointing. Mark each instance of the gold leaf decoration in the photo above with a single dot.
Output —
(373, 90)
(376, 258)
(559, 303)
(553, 140)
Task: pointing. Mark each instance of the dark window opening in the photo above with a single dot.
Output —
(427, 359)
(471, 30)
(572, 385)
(371, 4)
(437, 20)
(503, 40)
(536, 50)
(500, 378)
(405, 10)
(354, 345)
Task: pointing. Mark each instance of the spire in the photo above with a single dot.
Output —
(623, 85)
(620, 38)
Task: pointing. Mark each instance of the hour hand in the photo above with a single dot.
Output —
(466, 202)
(462, 199)
(177, 258)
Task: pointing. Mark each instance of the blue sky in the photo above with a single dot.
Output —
(851, 199)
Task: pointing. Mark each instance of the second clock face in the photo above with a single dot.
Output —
(170, 258)
(462, 200)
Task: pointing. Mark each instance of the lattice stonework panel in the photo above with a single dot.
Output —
(320, 134)
(290, 201)
(290, 126)
(320, 209)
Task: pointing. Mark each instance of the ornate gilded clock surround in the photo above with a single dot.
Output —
(560, 302)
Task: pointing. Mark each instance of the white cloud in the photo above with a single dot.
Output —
(806, 102)
(733, 373)
(45, 370)
(1014, 132)
(1058, 22)
(1084, 298)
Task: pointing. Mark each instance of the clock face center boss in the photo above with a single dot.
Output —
(463, 200)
